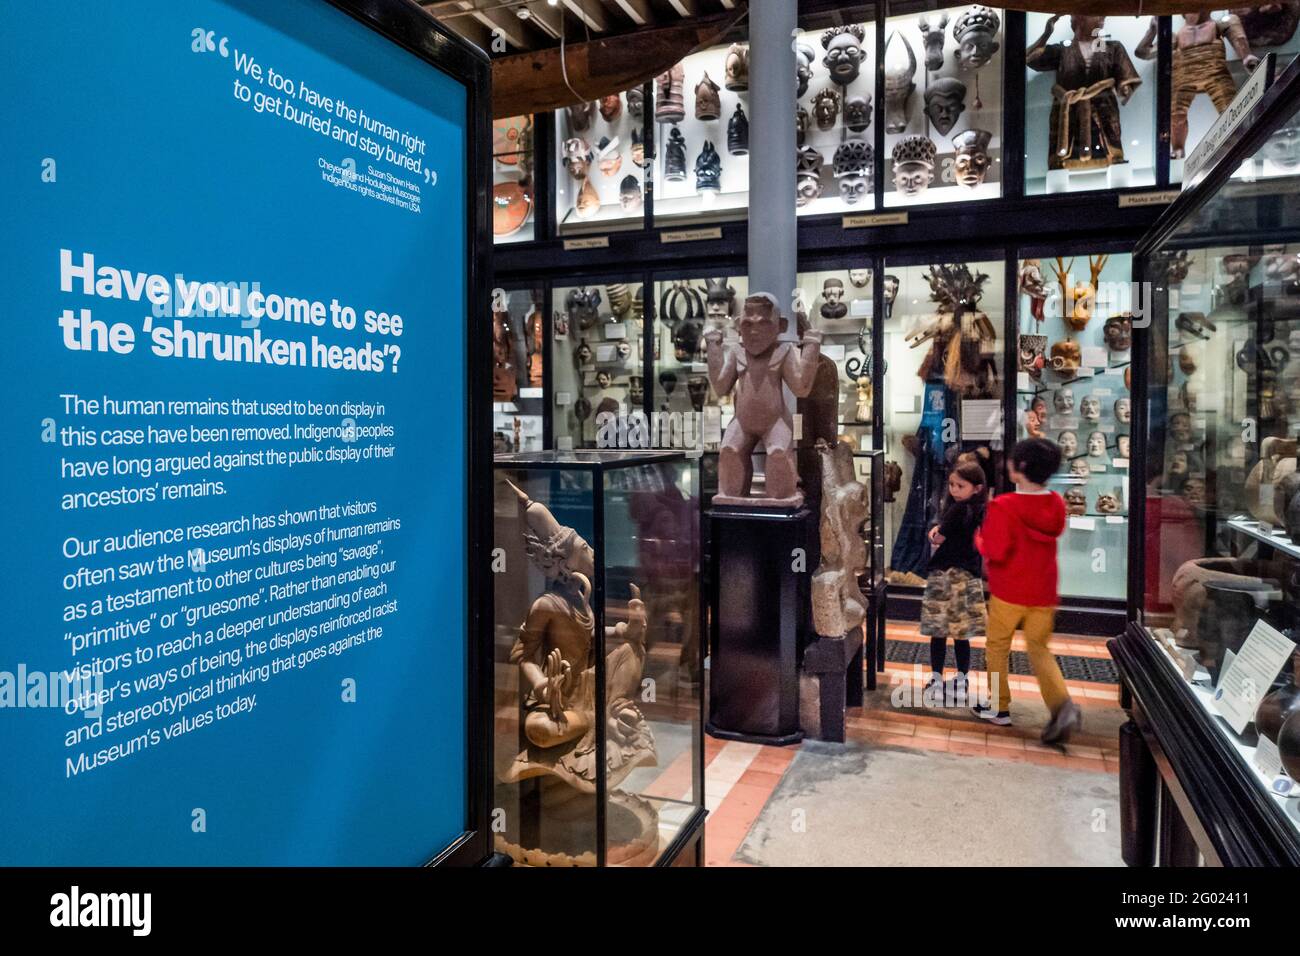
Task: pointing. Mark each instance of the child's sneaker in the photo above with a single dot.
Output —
(1000, 717)
(1063, 724)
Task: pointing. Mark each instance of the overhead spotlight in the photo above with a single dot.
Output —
(554, 3)
(523, 13)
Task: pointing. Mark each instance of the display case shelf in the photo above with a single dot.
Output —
(1252, 528)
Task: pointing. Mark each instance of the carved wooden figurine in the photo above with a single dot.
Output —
(756, 368)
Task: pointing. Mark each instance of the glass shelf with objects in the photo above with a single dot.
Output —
(701, 128)
(518, 376)
(597, 340)
(686, 307)
(1073, 375)
(513, 177)
(839, 303)
(1090, 104)
(1213, 56)
(600, 162)
(1214, 600)
(598, 730)
(835, 89)
(944, 393)
(943, 106)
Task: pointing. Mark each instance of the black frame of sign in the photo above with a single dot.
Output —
(1187, 792)
(408, 26)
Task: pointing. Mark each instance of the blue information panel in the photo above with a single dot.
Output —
(234, 238)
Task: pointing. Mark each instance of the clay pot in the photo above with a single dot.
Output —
(1188, 589)
(1277, 460)
(1288, 745)
(1275, 709)
(1286, 503)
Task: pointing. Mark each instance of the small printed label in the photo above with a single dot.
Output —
(798, 426)
(1248, 96)
(1119, 462)
(1083, 524)
(860, 308)
(691, 235)
(1115, 519)
(865, 220)
(616, 330)
(563, 398)
(530, 392)
(1160, 197)
(1268, 758)
(588, 242)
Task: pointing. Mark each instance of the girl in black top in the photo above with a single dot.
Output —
(953, 604)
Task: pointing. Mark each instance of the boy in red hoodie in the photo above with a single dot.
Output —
(1018, 542)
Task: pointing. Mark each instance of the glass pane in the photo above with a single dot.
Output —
(1072, 386)
(512, 179)
(835, 114)
(943, 106)
(543, 634)
(599, 164)
(1222, 504)
(653, 658)
(685, 309)
(517, 344)
(1090, 104)
(702, 136)
(1212, 57)
(597, 333)
(839, 305)
(943, 391)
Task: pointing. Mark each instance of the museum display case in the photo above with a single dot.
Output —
(1090, 104)
(943, 347)
(839, 303)
(1210, 660)
(1072, 368)
(943, 106)
(1213, 56)
(513, 176)
(597, 339)
(835, 110)
(597, 630)
(518, 368)
(600, 162)
(685, 309)
(701, 136)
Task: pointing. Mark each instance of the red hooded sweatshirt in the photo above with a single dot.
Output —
(1018, 541)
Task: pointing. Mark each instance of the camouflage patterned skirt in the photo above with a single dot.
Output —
(953, 605)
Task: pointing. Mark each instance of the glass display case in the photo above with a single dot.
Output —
(1090, 104)
(839, 304)
(1213, 54)
(685, 309)
(600, 162)
(701, 128)
(597, 335)
(513, 176)
(1072, 373)
(835, 80)
(943, 346)
(1211, 659)
(518, 376)
(598, 751)
(943, 106)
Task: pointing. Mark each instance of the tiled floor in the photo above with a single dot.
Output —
(740, 778)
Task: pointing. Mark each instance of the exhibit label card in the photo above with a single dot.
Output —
(235, 242)
(1250, 674)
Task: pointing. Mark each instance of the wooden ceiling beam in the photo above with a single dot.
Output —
(686, 8)
(549, 19)
(590, 12)
(638, 11)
